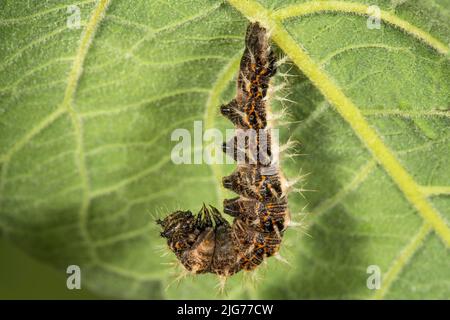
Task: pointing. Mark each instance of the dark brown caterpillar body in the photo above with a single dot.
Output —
(207, 243)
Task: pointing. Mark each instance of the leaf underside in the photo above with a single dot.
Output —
(86, 116)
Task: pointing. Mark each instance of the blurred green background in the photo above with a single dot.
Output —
(22, 277)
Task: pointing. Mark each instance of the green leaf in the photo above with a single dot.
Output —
(86, 117)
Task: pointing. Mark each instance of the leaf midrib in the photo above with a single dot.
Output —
(407, 185)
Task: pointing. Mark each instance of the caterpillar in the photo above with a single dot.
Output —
(207, 242)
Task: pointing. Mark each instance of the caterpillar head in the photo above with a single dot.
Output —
(175, 223)
(190, 237)
(180, 228)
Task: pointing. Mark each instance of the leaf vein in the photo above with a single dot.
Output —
(348, 48)
(358, 179)
(30, 17)
(314, 7)
(74, 77)
(221, 83)
(403, 258)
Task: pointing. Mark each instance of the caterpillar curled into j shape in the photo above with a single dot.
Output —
(208, 243)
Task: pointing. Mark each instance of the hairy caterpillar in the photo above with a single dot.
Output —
(206, 242)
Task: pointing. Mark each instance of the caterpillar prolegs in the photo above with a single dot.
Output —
(206, 242)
